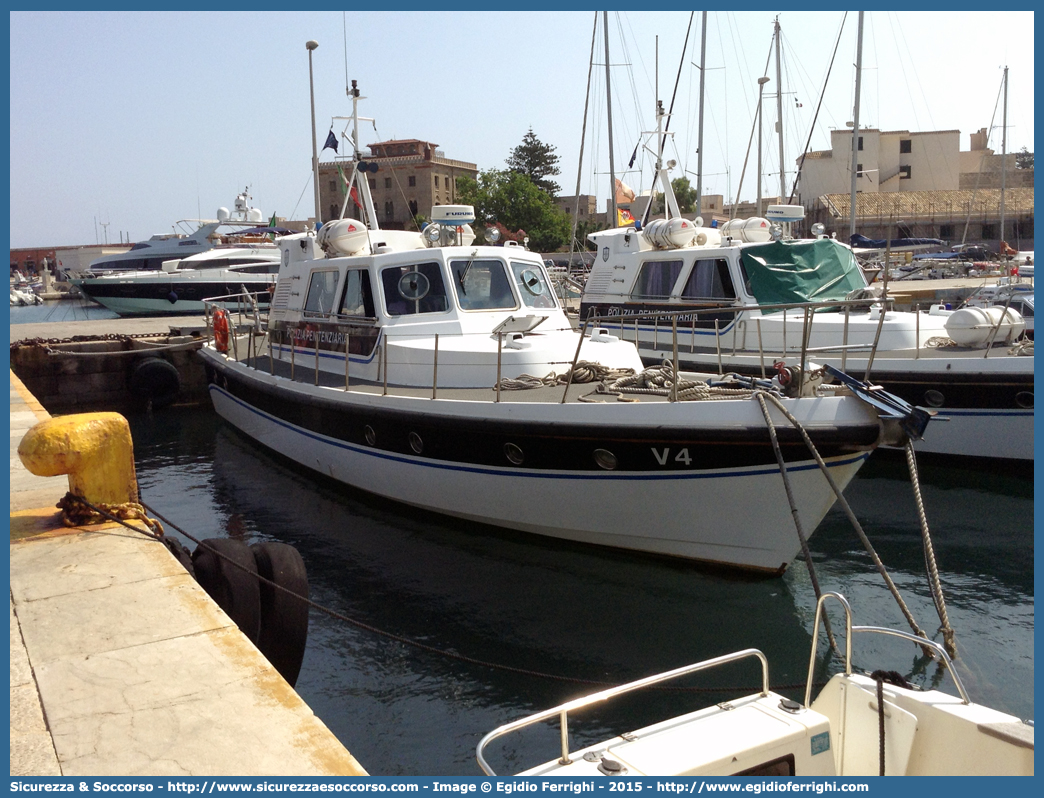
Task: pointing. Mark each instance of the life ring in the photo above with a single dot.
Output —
(221, 330)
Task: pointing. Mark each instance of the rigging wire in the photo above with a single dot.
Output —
(815, 117)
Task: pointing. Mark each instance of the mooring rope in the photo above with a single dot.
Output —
(949, 636)
(847, 508)
(797, 518)
(101, 511)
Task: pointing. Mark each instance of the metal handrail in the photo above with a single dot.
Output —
(578, 703)
(850, 630)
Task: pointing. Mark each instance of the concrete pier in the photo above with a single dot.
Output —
(122, 665)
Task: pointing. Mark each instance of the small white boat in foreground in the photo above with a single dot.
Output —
(857, 726)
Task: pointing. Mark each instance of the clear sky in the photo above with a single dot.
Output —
(138, 119)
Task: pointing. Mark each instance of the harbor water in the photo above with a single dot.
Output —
(455, 628)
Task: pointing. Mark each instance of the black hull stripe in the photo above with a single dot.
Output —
(529, 474)
(546, 446)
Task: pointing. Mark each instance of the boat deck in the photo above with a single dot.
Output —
(545, 394)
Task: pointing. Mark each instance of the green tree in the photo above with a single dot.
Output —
(1024, 159)
(537, 161)
(685, 194)
(516, 202)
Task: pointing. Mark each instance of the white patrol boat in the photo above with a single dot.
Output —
(747, 295)
(443, 374)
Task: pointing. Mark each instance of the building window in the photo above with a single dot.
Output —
(1024, 229)
(333, 185)
(413, 180)
(904, 172)
(905, 145)
(373, 183)
(946, 231)
(387, 182)
(436, 181)
(860, 144)
(413, 207)
(389, 210)
(334, 212)
(989, 231)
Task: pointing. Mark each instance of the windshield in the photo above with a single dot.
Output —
(532, 285)
(482, 285)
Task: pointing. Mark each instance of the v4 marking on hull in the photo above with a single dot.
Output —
(661, 456)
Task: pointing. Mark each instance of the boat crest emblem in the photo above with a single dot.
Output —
(605, 253)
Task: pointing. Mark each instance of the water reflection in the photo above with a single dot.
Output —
(551, 607)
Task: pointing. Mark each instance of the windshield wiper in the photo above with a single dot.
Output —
(464, 273)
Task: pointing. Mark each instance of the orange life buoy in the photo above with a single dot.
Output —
(221, 330)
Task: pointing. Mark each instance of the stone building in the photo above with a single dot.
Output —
(412, 176)
(920, 185)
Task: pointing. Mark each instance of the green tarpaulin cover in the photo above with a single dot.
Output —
(784, 272)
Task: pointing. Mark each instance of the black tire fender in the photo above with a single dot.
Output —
(235, 589)
(284, 617)
(156, 379)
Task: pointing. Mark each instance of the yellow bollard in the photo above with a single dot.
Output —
(94, 449)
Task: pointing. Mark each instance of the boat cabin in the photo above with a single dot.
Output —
(467, 310)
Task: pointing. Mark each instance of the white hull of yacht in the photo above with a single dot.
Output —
(705, 515)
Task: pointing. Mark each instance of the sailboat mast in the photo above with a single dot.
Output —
(1004, 155)
(699, 139)
(613, 216)
(855, 128)
(779, 118)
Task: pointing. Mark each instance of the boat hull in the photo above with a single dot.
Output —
(983, 405)
(713, 495)
(127, 297)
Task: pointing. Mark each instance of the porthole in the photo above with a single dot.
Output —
(605, 459)
(413, 286)
(1024, 399)
(370, 435)
(513, 454)
(934, 398)
(416, 443)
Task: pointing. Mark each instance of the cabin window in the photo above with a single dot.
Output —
(656, 279)
(417, 288)
(322, 292)
(532, 285)
(481, 285)
(266, 267)
(358, 298)
(710, 279)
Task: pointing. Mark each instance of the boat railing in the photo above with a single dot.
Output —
(250, 321)
(851, 630)
(677, 320)
(562, 711)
